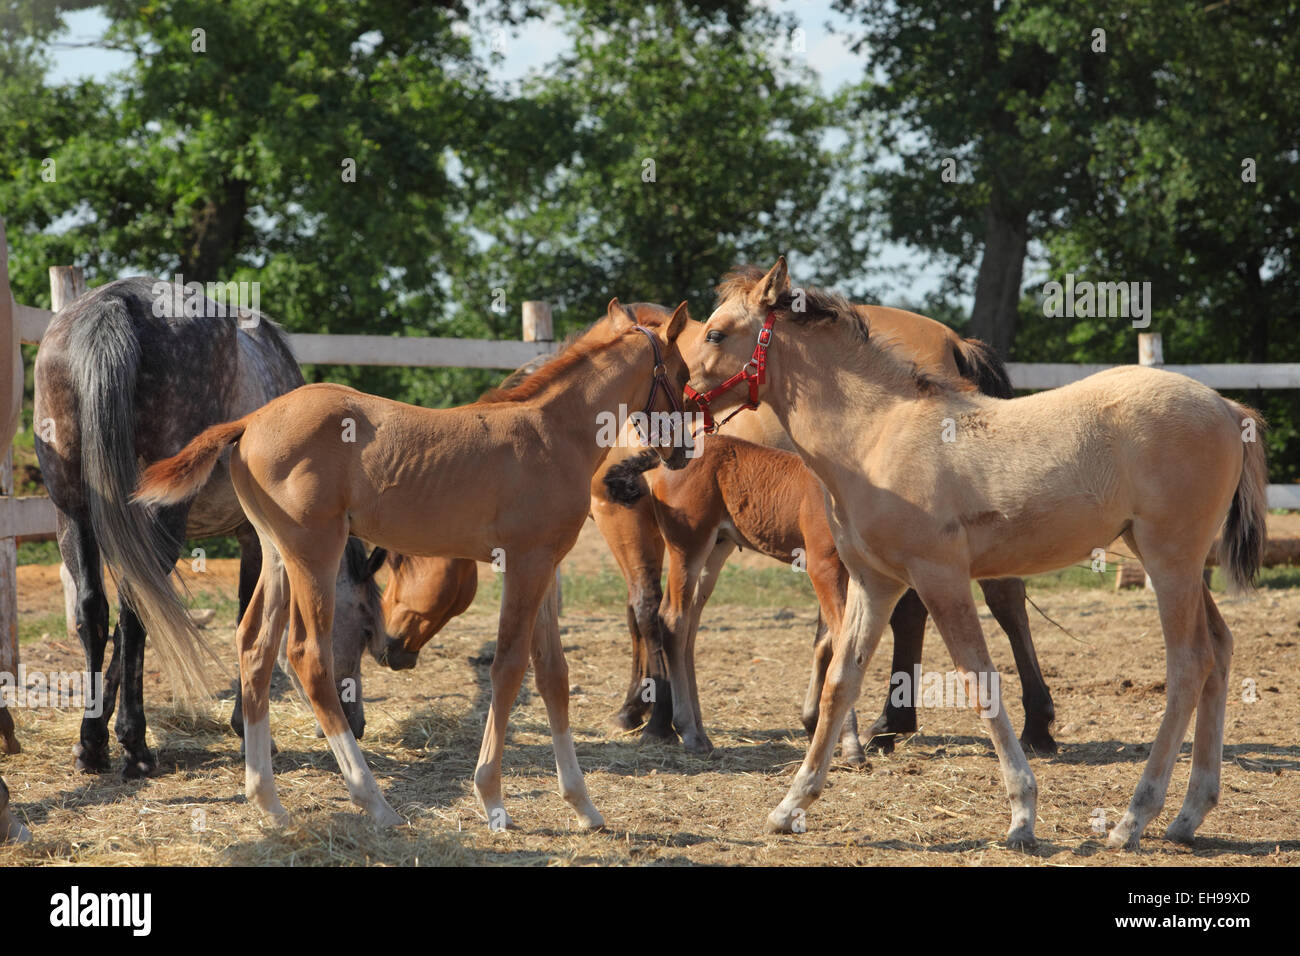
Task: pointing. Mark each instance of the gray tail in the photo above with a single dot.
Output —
(625, 482)
(138, 550)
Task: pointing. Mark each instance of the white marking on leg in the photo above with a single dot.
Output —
(573, 787)
(361, 783)
(259, 778)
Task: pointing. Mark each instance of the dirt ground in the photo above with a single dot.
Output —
(938, 800)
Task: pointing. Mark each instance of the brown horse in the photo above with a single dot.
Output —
(325, 460)
(931, 484)
(738, 494)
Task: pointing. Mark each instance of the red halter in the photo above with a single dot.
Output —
(754, 372)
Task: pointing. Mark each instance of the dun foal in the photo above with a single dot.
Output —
(739, 494)
(931, 485)
(509, 472)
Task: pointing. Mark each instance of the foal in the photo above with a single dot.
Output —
(931, 485)
(739, 494)
(508, 474)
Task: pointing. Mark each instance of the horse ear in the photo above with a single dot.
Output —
(618, 316)
(374, 563)
(676, 323)
(776, 281)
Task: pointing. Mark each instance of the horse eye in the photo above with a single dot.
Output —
(714, 337)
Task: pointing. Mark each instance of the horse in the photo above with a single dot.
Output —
(325, 459)
(931, 483)
(628, 522)
(123, 375)
(739, 494)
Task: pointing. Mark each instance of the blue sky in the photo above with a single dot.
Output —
(539, 44)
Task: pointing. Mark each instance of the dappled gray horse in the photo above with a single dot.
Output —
(124, 376)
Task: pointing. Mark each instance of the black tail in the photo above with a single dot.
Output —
(977, 362)
(625, 482)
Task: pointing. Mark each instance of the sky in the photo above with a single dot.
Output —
(538, 45)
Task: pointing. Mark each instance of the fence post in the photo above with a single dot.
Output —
(539, 326)
(1150, 349)
(11, 394)
(67, 285)
(1151, 352)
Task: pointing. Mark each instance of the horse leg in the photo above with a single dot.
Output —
(551, 672)
(652, 670)
(708, 580)
(311, 619)
(684, 567)
(526, 584)
(80, 553)
(11, 829)
(130, 726)
(250, 568)
(870, 598)
(8, 742)
(634, 539)
(1190, 661)
(258, 640)
(1207, 748)
(829, 580)
(949, 601)
(908, 625)
(1005, 598)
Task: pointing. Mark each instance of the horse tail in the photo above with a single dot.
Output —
(625, 482)
(977, 362)
(138, 549)
(180, 477)
(1245, 532)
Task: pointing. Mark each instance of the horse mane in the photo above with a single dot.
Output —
(523, 383)
(547, 372)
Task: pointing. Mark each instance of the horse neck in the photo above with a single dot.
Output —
(605, 380)
(832, 411)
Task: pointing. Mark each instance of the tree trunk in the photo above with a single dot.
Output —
(997, 290)
(216, 232)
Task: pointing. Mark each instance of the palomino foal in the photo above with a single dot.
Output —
(507, 474)
(931, 485)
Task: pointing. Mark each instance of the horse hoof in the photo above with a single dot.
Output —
(854, 758)
(649, 736)
(591, 819)
(697, 744)
(881, 744)
(11, 831)
(1021, 838)
(1038, 741)
(624, 720)
(783, 821)
(91, 761)
(1122, 839)
(138, 768)
(387, 817)
(1180, 832)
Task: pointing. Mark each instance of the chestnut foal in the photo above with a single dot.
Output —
(509, 472)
